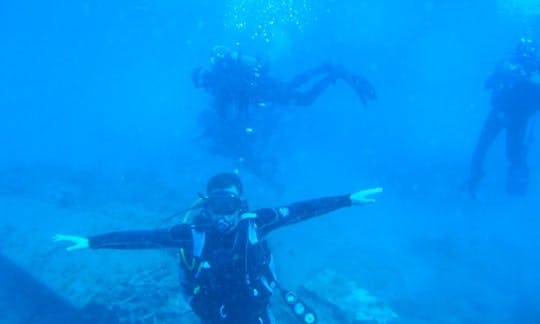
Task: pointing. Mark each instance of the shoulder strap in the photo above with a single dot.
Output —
(199, 238)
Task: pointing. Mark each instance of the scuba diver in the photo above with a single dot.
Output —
(238, 125)
(243, 81)
(225, 260)
(515, 98)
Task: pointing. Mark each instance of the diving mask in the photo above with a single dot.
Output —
(223, 203)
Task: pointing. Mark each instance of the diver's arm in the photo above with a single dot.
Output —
(176, 236)
(269, 219)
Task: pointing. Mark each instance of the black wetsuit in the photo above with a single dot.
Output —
(515, 98)
(228, 276)
(234, 83)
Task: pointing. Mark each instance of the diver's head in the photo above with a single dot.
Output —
(225, 181)
(223, 202)
(199, 76)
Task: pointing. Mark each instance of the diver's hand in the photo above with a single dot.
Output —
(363, 197)
(79, 242)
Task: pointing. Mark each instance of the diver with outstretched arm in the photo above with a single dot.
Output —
(228, 277)
(238, 81)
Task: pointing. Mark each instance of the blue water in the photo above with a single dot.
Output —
(97, 105)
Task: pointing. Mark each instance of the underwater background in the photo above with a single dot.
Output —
(99, 113)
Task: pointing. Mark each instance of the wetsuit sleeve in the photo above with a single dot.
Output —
(176, 236)
(269, 219)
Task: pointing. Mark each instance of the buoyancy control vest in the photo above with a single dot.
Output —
(227, 275)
